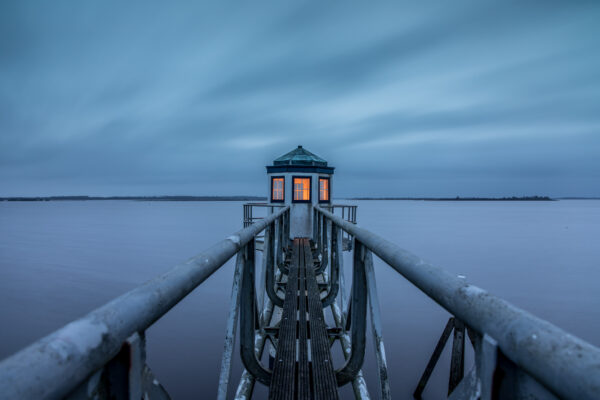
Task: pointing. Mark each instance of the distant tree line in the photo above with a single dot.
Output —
(458, 198)
(141, 198)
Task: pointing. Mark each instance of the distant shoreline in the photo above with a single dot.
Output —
(458, 198)
(264, 199)
(139, 198)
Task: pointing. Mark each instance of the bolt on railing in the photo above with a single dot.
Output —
(517, 355)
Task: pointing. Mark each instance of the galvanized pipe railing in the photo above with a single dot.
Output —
(565, 365)
(56, 364)
(328, 244)
(254, 316)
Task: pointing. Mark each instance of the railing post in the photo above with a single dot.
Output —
(457, 361)
(124, 372)
(232, 318)
(287, 228)
(335, 267)
(437, 352)
(323, 246)
(270, 266)
(280, 245)
(323, 236)
(126, 376)
(276, 241)
(262, 282)
(376, 328)
(247, 322)
(314, 224)
(318, 239)
(486, 365)
(343, 296)
(358, 317)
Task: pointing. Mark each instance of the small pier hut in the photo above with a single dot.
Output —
(301, 180)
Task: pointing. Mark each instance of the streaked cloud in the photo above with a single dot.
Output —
(425, 99)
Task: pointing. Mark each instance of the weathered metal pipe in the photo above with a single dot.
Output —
(565, 364)
(334, 284)
(269, 253)
(247, 380)
(353, 365)
(232, 318)
(57, 363)
(376, 329)
(358, 384)
(249, 320)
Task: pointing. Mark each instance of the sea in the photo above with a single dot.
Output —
(62, 259)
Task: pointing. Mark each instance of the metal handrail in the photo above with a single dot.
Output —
(565, 364)
(56, 364)
(249, 219)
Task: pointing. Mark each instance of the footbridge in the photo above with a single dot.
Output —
(291, 303)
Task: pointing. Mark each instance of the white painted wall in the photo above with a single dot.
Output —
(300, 213)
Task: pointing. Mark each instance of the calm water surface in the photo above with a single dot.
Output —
(60, 260)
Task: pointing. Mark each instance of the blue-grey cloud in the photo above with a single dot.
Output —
(427, 99)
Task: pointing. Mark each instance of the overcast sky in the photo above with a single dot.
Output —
(430, 99)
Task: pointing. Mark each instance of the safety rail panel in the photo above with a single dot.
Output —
(517, 355)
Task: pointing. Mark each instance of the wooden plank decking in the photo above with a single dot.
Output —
(302, 367)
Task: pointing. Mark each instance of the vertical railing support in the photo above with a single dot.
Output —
(343, 295)
(282, 244)
(287, 227)
(457, 361)
(334, 284)
(437, 352)
(232, 318)
(487, 360)
(376, 329)
(314, 225)
(358, 317)
(318, 237)
(247, 323)
(269, 253)
(324, 247)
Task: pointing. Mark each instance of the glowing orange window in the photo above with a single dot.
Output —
(324, 190)
(277, 186)
(301, 190)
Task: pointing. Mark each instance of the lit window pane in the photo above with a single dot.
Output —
(323, 189)
(277, 189)
(302, 189)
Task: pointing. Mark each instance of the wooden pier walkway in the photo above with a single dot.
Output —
(303, 368)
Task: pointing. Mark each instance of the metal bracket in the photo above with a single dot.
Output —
(270, 266)
(247, 323)
(353, 364)
(335, 268)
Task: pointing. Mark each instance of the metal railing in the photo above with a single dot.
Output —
(102, 355)
(517, 355)
(249, 215)
(254, 311)
(347, 211)
(349, 312)
(259, 324)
